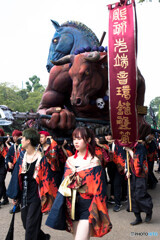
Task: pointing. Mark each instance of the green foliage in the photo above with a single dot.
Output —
(29, 87)
(22, 100)
(155, 104)
(159, 117)
(34, 85)
(10, 98)
(23, 93)
(33, 100)
(148, 118)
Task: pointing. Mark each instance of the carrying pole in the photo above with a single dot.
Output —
(129, 183)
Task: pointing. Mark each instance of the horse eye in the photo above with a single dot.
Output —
(55, 40)
(86, 72)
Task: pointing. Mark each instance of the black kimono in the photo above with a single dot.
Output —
(141, 200)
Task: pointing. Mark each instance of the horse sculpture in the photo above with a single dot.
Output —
(78, 87)
(67, 38)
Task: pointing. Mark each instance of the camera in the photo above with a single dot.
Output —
(19, 141)
(4, 139)
(48, 141)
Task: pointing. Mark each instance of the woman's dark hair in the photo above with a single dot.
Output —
(32, 135)
(86, 133)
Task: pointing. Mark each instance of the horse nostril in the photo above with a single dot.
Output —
(78, 101)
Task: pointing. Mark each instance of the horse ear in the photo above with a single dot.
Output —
(55, 24)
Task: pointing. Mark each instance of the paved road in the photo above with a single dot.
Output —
(121, 228)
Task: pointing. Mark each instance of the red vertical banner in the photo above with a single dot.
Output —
(122, 47)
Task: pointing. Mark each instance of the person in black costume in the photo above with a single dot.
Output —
(140, 198)
(3, 171)
(12, 156)
(30, 184)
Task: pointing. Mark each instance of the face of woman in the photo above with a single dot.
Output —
(79, 143)
(42, 139)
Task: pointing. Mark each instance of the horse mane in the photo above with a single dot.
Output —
(82, 27)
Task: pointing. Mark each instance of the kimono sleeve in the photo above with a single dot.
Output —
(10, 155)
(99, 219)
(13, 188)
(57, 218)
(47, 186)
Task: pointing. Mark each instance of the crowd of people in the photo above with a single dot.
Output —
(75, 183)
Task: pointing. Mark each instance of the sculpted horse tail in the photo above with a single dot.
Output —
(68, 37)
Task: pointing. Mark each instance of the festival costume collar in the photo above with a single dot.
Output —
(94, 162)
(16, 150)
(24, 165)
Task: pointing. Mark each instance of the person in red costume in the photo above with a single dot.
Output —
(81, 203)
(14, 149)
(49, 148)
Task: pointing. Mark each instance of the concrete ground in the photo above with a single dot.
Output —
(122, 230)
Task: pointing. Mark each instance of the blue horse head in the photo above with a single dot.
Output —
(68, 37)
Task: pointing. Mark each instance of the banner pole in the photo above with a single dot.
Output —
(129, 183)
(102, 38)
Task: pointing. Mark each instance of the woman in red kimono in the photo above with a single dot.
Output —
(81, 203)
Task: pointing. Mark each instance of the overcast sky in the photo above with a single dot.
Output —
(26, 32)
